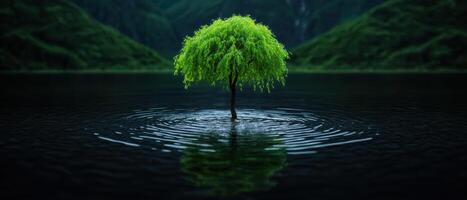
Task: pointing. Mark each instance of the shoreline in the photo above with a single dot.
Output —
(291, 71)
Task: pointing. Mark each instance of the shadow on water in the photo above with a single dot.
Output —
(221, 158)
(237, 163)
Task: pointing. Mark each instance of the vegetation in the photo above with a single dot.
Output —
(233, 52)
(56, 34)
(141, 20)
(162, 24)
(398, 35)
(401, 35)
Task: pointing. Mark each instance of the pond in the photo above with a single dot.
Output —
(322, 136)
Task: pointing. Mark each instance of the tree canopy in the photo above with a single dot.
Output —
(236, 50)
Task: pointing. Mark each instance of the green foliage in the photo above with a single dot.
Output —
(236, 48)
(400, 34)
(162, 24)
(56, 34)
(141, 20)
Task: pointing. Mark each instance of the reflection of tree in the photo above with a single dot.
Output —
(236, 164)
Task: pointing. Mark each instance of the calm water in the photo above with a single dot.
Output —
(320, 137)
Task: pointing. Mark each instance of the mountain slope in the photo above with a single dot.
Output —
(56, 34)
(293, 21)
(141, 20)
(414, 34)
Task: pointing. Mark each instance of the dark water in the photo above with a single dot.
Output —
(320, 137)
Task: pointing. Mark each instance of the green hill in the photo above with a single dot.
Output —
(162, 24)
(400, 34)
(142, 20)
(56, 34)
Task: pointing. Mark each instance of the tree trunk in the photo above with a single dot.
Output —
(233, 91)
(232, 102)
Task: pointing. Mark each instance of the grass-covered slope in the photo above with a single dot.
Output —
(296, 21)
(56, 34)
(159, 24)
(162, 24)
(400, 34)
(141, 20)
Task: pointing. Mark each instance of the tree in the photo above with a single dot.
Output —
(234, 52)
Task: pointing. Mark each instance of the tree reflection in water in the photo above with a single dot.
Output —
(233, 164)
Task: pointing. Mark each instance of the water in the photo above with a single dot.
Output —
(320, 137)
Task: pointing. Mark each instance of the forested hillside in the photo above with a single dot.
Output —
(146, 34)
(163, 24)
(57, 34)
(401, 34)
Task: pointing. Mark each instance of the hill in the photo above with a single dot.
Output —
(57, 34)
(162, 24)
(400, 34)
(142, 20)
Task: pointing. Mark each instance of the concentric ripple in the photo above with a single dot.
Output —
(295, 130)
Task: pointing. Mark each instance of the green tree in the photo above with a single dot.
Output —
(234, 52)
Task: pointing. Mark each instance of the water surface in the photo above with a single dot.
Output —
(321, 136)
